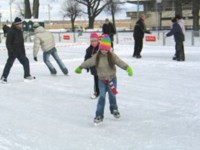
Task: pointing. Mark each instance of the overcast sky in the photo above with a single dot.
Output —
(55, 12)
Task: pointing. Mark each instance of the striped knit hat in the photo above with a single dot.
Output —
(105, 43)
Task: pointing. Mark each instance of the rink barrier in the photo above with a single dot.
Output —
(2, 48)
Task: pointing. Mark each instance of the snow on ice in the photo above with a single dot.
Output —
(159, 105)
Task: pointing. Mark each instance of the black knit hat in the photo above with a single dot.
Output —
(178, 17)
(17, 21)
(173, 20)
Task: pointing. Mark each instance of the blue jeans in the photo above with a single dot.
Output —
(103, 88)
(54, 53)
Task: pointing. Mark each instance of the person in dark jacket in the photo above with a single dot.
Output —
(5, 30)
(138, 34)
(179, 39)
(16, 49)
(109, 29)
(90, 51)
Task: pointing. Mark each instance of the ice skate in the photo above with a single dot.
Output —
(29, 79)
(116, 113)
(3, 80)
(93, 96)
(98, 120)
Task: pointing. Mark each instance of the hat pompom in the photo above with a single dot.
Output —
(105, 43)
(17, 21)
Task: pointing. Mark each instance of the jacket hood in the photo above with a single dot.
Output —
(181, 21)
(39, 30)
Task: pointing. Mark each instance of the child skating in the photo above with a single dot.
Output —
(90, 51)
(105, 62)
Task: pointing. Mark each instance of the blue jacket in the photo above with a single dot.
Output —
(177, 32)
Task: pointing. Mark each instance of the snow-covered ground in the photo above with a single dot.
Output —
(159, 105)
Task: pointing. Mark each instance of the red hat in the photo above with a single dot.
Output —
(94, 35)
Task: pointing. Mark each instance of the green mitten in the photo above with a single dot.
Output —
(129, 70)
(78, 70)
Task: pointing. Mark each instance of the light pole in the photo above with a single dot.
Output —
(49, 12)
(10, 3)
(0, 19)
(158, 9)
(138, 8)
(0, 25)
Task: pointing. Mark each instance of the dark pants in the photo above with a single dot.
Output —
(22, 59)
(96, 85)
(138, 46)
(112, 39)
(180, 54)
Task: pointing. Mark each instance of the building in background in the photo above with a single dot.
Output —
(160, 12)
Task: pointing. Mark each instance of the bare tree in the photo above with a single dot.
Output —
(72, 10)
(27, 11)
(36, 5)
(178, 7)
(20, 7)
(113, 8)
(94, 8)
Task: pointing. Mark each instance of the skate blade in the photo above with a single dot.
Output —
(97, 124)
(28, 80)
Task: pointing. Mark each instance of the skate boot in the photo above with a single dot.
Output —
(3, 80)
(98, 119)
(29, 79)
(115, 113)
(94, 96)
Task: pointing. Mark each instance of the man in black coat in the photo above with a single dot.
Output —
(109, 29)
(138, 34)
(179, 38)
(16, 49)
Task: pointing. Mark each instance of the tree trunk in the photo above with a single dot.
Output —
(178, 7)
(73, 26)
(91, 22)
(36, 8)
(195, 13)
(27, 9)
(113, 19)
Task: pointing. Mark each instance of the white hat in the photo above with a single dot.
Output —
(35, 25)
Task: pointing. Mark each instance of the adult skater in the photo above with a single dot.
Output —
(109, 29)
(16, 49)
(45, 39)
(138, 34)
(179, 38)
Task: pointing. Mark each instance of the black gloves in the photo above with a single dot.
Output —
(35, 58)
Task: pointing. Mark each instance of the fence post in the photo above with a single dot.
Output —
(0, 38)
(164, 39)
(192, 34)
(59, 37)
